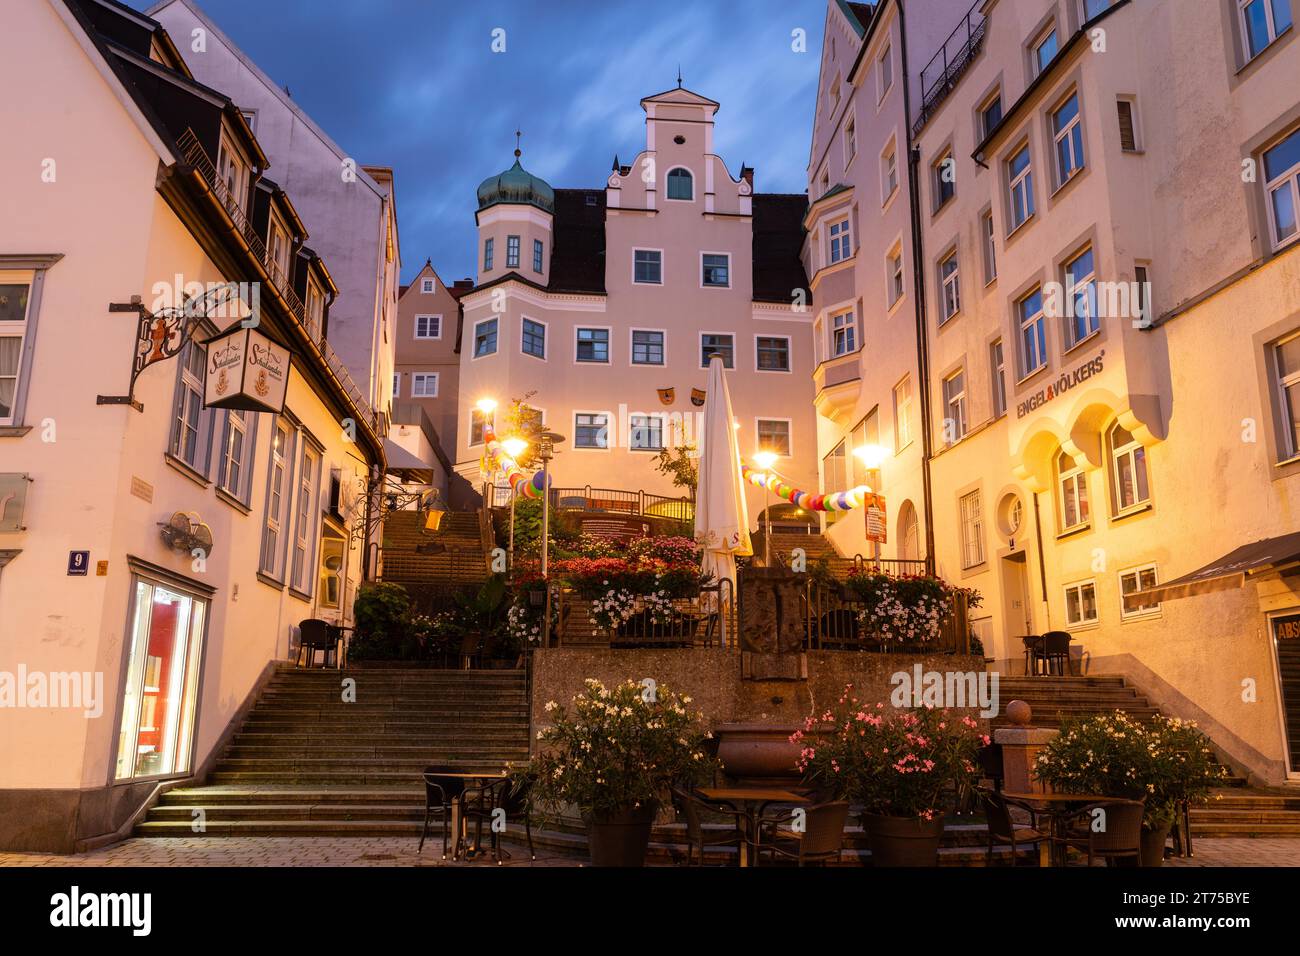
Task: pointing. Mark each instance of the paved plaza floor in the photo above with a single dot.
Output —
(400, 851)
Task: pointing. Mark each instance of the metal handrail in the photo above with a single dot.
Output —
(832, 624)
(619, 500)
(939, 76)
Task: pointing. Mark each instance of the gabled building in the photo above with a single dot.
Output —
(603, 306)
(156, 551)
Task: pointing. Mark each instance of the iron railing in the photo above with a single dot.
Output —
(619, 501)
(940, 75)
(196, 156)
(707, 619)
(835, 622)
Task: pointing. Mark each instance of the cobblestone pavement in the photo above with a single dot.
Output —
(400, 851)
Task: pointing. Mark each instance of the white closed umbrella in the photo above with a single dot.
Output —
(721, 516)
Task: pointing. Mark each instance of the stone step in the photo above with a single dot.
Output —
(271, 812)
(282, 828)
(281, 796)
(388, 718)
(333, 778)
(512, 733)
(413, 764)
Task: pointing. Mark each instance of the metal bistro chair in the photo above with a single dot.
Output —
(1003, 831)
(1054, 652)
(821, 841)
(1121, 838)
(317, 635)
(439, 792)
(515, 797)
(689, 808)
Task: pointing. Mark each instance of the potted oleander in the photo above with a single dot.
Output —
(614, 754)
(899, 765)
(1165, 760)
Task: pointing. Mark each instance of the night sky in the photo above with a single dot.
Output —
(414, 84)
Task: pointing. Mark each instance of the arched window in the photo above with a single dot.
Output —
(1128, 469)
(1074, 493)
(909, 543)
(680, 184)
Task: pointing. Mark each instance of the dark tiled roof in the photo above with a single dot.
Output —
(578, 249)
(864, 12)
(778, 242)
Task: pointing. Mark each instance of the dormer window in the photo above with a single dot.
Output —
(232, 176)
(278, 249)
(315, 310)
(681, 184)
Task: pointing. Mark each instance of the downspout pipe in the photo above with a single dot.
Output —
(918, 293)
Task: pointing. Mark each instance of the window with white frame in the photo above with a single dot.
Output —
(489, 254)
(1044, 49)
(15, 293)
(533, 338)
(592, 345)
(990, 247)
(1067, 137)
(1073, 485)
(232, 175)
(428, 326)
(998, 365)
(954, 406)
(424, 384)
(773, 353)
(646, 432)
(306, 528)
(512, 252)
(850, 142)
(1132, 581)
(1033, 333)
(238, 441)
(844, 332)
(894, 270)
(835, 475)
(1282, 188)
(721, 343)
(884, 72)
(1128, 469)
(888, 173)
(716, 270)
(949, 287)
(1262, 22)
(591, 430)
(485, 337)
(1081, 604)
(428, 286)
(278, 495)
(647, 347)
(1020, 184)
(774, 436)
(538, 250)
(971, 513)
(944, 173)
(648, 266)
(479, 422)
(1284, 368)
(314, 309)
(903, 413)
(190, 421)
(680, 184)
(1081, 297)
(840, 246)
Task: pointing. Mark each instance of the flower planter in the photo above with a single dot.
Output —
(903, 841)
(1153, 845)
(620, 838)
(758, 751)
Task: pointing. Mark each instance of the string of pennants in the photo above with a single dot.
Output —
(495, 457)
(831, 501)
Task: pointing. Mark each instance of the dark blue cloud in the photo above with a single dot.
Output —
(415, 85)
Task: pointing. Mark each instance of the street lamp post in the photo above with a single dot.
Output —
(546, 443)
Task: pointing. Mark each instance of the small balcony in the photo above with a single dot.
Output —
(940, 76)
(838, 382)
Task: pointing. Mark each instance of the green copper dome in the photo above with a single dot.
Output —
(516, 185)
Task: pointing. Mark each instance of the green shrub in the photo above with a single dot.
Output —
(380, 615)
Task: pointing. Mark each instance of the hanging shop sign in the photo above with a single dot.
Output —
(13, 499)
(873, 507)
(247, 371)
(667, 396)
(1067, 381)
(697, 397)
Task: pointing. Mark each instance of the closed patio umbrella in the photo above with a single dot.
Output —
(721, 516)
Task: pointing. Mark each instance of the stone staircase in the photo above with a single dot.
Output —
(451, 555)
(306, 763)
(784, 542)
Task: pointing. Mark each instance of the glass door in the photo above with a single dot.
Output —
(161, 689)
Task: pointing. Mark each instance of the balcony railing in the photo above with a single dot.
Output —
(197, 157)
(835, 623)
(613, 500)
(940, 75)
(692, 622)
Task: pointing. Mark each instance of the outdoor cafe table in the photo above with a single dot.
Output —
(457, 818)
(1057, 807)
(749, 802)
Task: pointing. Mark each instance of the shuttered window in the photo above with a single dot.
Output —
(1127, 133)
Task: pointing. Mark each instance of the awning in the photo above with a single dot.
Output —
(1230, 571)
(405, 465)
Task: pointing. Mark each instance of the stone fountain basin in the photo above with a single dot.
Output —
(758, 751)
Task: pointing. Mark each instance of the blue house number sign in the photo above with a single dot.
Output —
(78, 563)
